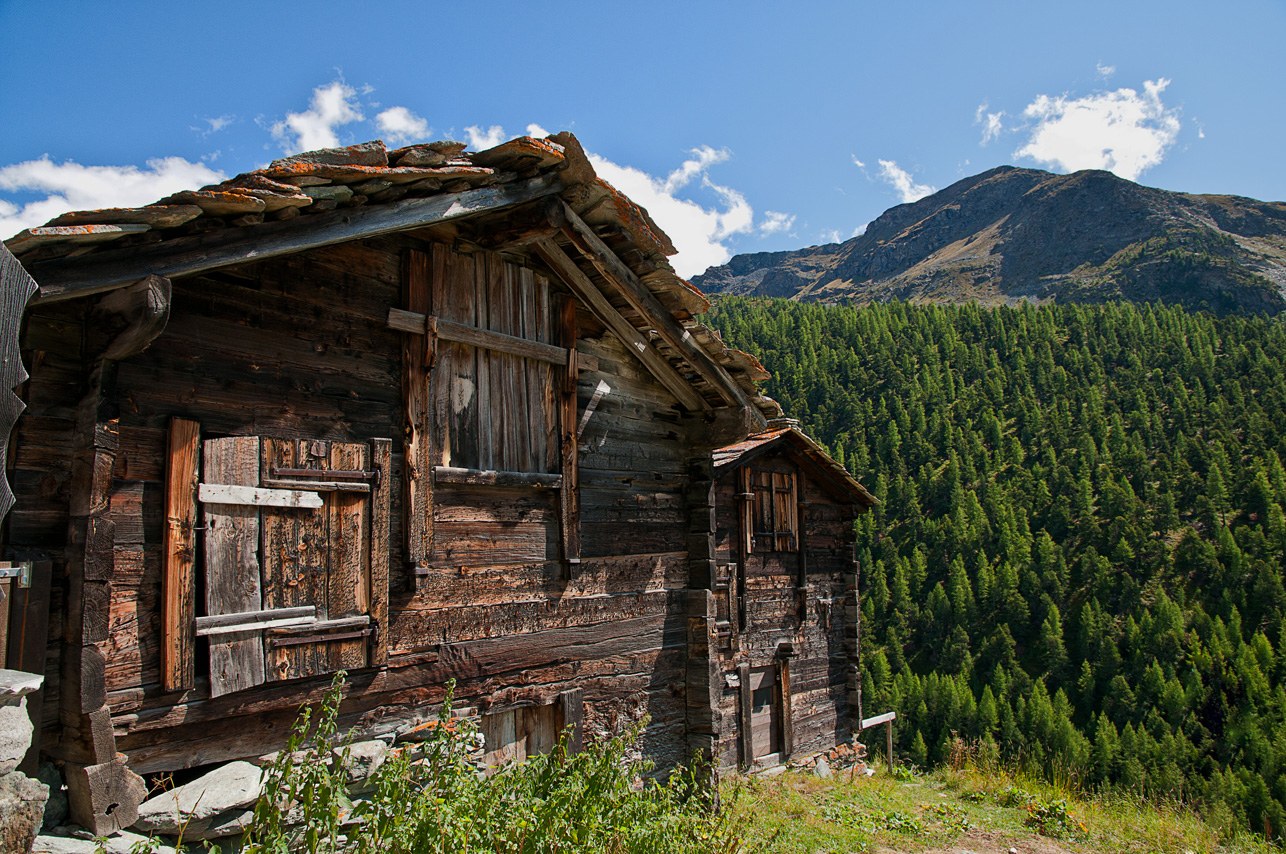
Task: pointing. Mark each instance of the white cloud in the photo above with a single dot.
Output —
(332, 105)
(215, 125)
(860, 230)
(399, 126)
(481, 140)
(537, 131)
(1122, 131)
(900, 180)
(698, 232)
(859, 164)
(992, 123)
(1105, 71)
(832, 236)
(70, 186)
(776, 221)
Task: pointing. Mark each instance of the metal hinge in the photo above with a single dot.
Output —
(20, 571)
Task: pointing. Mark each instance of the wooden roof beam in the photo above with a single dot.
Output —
(587, 292)
(614, 270)
(68, 278)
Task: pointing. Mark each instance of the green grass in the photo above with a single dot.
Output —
(799, 812)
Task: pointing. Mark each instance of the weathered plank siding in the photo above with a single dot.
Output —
(299, 348)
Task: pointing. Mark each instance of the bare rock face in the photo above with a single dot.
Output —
(1024, 234)
(22, 809)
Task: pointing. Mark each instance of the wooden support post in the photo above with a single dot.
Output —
(178, 573)
(787, 711)
(746, 709)
(888, 735)
(381, 534)
(571, 712)
(569, 492)
(417, 360)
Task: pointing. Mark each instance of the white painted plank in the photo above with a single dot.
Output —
(879, 719)
(221, 493)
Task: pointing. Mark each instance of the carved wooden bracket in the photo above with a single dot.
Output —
(135, 315)
(16, 287)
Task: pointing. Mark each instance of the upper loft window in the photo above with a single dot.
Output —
(494, 393)
(774, 511)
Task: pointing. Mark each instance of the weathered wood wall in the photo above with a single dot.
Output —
(299, 347)
(809, 619)
(40, 464)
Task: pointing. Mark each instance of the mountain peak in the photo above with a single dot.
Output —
(1012, 233)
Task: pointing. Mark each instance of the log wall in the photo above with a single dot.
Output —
(299, 347)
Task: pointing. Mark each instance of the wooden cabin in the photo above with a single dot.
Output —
(418, 415)
(786, 596)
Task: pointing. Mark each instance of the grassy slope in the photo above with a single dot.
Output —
(963, 810)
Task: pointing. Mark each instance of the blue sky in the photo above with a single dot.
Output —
(742, 126)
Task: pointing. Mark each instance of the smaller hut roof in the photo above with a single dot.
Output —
(803, 450)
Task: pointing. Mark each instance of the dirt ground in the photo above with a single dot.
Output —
(981, 842)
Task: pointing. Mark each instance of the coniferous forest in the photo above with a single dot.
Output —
(1078, 559)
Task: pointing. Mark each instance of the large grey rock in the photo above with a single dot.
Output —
(15, 734)
(56, 806)
(15, 721)
(199, 804)
(22, 807)
(364, 759)
(823, 768)
(122, 842)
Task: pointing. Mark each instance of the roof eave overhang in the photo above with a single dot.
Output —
(72, 277)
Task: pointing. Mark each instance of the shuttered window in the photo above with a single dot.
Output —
(773, 511)
(500, 403)
(296, 558)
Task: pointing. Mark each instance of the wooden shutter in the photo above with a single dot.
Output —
(493, 398)
(502, 383)
(775, 511)
(296, 558)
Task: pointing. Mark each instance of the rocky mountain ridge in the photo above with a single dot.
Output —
(1011, 234)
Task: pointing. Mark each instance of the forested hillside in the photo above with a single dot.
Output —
(1079, 555)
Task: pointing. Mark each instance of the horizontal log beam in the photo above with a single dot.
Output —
(68, 278)
(461, 333)
(477, 477)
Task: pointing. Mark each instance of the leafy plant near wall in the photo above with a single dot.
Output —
(1079, 558)
(431, 797)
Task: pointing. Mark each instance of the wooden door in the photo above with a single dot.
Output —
(289, 589)
(765, 711)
